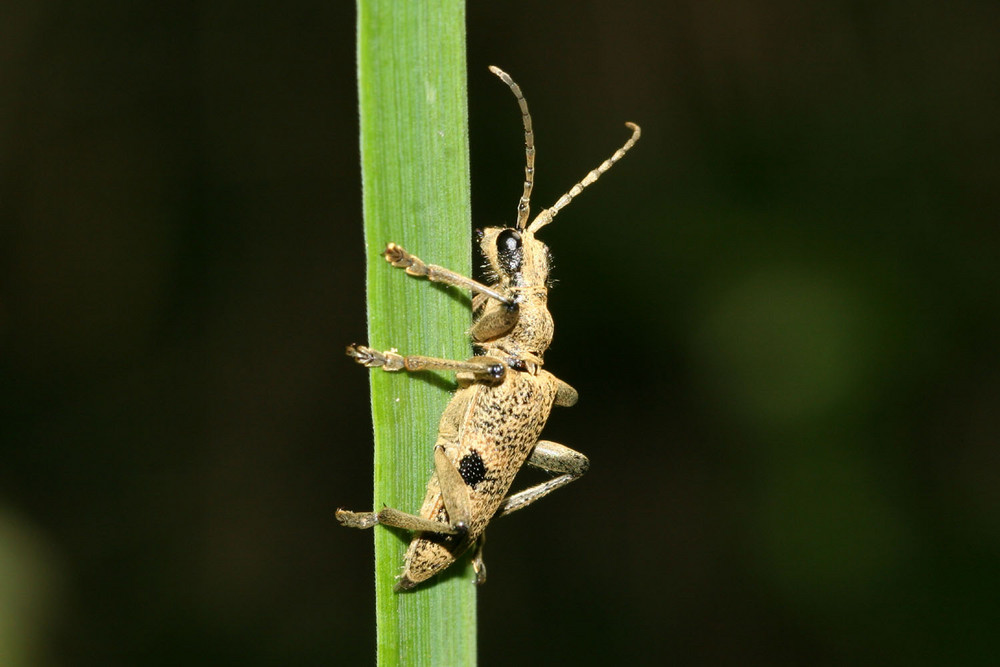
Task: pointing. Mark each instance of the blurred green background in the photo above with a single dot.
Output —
(781, 312)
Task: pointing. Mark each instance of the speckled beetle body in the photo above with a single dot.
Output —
(491, 426)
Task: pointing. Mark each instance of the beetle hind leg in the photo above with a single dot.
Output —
(454, 493)
(477, 560)
(389, 516)
(550, 457)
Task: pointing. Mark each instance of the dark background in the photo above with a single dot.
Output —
(780, 311)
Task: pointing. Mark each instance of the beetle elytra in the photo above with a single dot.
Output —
(491, 426)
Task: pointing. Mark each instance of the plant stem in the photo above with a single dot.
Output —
(415, 172)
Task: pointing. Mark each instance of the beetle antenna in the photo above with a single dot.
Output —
(545, 217)
(523, 206)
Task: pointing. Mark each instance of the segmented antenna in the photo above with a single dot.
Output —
(523, 206)
(545, 217)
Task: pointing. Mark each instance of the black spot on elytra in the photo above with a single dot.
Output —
(472, 469)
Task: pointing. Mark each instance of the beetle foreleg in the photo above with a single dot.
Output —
(414, 266)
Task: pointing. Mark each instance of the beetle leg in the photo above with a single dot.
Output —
(483, 369)
(414, 266)
(477, 560)
(454, 493)
(551, 457)
(389, 516)
(566, 395)
(494, 322)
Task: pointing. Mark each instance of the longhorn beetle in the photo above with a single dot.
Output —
(491, 426)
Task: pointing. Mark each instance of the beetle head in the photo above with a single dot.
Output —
(516, 258)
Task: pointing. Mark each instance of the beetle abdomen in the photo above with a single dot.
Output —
(488, 433)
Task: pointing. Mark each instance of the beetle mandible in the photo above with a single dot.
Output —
(490, 428)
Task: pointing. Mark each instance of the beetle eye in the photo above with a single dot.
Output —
(509, 250)
(508, 241)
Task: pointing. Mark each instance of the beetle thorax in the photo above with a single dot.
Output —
(520, 266)
(530, 336)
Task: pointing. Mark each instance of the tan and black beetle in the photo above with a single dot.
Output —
(491, 426)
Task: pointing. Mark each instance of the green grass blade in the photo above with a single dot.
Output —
(415, 172)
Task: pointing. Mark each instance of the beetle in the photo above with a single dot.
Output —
(490, 428)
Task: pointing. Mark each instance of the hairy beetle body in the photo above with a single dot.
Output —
(491, 426)
(487, 433)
